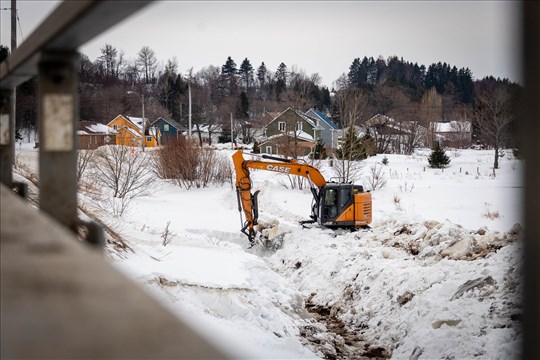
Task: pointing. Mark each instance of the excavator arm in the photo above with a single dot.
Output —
(247, 201)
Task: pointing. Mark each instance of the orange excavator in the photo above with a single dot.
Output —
(335, 204)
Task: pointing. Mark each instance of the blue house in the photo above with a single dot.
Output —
(326, 129)
(167, 127)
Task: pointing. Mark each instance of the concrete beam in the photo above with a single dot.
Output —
(60, 299)
(71, 25)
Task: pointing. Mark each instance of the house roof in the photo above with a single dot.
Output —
(380, 119)
(322, 116)
(405, 127)
(299, 113)
(131, 131)
(204, 128)
(300, 135)
(358, 130)
(452, 126)
(137, 121)
(171, 122)
(92, 127)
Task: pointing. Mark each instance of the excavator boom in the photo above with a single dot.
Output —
(247, 201)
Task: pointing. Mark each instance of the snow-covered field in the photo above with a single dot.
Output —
(437, 276)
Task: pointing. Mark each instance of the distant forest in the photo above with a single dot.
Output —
(253, 93)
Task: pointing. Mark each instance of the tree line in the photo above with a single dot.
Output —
(400, 89)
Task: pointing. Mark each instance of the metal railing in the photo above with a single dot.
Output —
(50, 53)
(60, 298)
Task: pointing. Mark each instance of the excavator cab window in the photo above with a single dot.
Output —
(345, 197)
(335, 200)
(330, 203)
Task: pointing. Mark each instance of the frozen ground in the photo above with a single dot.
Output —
(437, 276)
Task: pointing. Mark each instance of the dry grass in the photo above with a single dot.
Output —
(490, 214)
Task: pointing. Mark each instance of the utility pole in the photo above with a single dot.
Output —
(189, 115)
(143, 123)
(141, 97)
(13, 100)
(13, 25)
(232, 134)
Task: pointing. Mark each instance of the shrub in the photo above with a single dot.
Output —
(185, 164)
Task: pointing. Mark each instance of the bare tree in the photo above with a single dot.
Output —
(109, 60)
(376, 177)
(430, 111)
(348, 170)
(125, 172)
(84, 158)
(495, 110)
(351, 104)
(147, 62)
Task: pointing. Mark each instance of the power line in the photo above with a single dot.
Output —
(18, 20)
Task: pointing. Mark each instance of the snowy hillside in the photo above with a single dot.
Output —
(437, 276)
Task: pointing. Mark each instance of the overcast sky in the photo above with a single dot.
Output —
(319, 37)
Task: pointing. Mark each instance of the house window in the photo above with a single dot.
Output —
(115, 127)
(299, 126)
(269, 150)
(148, 138)
(133, 141)
(282, 126)
(165, 127)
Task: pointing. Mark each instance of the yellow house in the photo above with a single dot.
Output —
(129, 131)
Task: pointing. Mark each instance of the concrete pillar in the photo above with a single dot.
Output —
(58, 122)
(7, 135)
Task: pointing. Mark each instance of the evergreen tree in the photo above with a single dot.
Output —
(355, 73)
(369, 144)
(261, 74)
(351, 147)
(242, 108)
(4, 52)
(256, 147)
(242, 116)
(229, 69)
(326, 100)
(281, 79)
(319, 152)
(246, 74)
(228, 73)
(438, 158)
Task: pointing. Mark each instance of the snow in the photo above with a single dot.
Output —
(437, 275)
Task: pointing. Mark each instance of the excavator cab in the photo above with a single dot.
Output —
(344, 205)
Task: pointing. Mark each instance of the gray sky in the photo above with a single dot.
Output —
(319, 37)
